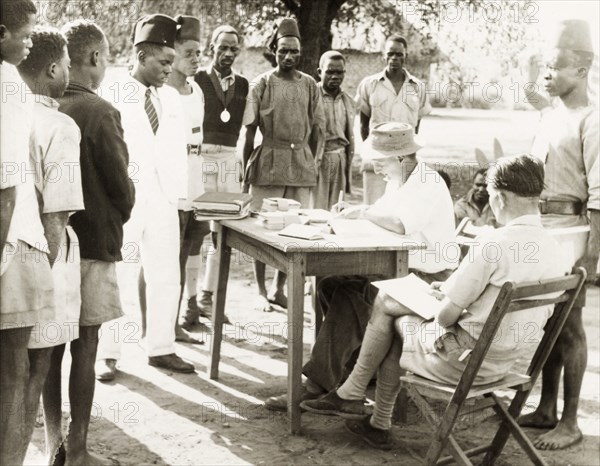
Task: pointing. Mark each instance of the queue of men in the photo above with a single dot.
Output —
(117, 202)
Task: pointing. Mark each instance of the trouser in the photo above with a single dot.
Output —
(151, 240)
(331, 179)
(346, 302)
(220, 173)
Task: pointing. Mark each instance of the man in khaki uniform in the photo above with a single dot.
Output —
(567, 141)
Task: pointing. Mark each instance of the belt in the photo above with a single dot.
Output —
(340, 150)
(294, 145)
(193, 149)
(548, 206)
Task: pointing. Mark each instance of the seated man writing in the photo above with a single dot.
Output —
(416, 204)
(519, 251)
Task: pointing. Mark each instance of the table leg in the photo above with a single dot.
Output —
(318, 316)
(296, 273)
(218, 314)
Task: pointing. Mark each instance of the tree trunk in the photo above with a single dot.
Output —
(314, 21)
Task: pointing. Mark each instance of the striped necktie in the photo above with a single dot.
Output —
(151, 111)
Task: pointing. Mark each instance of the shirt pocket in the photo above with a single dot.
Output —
(412, 99)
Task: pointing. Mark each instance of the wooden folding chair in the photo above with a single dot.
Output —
(511, 298)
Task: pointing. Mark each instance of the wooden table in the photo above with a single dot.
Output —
(334, 255)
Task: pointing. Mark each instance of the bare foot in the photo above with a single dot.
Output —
(538, 420)
(278, 298)
(182, 336)
(58, 457)
(89, 459)
(262, 304)
(559, 438)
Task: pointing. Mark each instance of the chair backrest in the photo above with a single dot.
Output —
(561, 292)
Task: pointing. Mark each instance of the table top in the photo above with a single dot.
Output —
(331, 243)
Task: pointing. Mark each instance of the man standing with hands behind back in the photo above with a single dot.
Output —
(567, 141)
(334, 170)
(225, 100)
(155, 132)
(390, 95)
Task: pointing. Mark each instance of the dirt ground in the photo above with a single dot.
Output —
(149, 416)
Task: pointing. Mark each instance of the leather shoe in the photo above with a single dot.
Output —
(171, 362)
(377, 438)
(332, 405)
(106, 370)
(279, 403)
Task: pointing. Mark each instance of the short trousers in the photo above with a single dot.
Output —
(100, 298)
(66, 274)
(26, 287)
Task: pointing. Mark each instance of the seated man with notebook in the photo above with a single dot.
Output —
(416, 204)
(437, 349)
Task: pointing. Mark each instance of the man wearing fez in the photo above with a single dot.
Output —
(192, 232)
(334, 174)
(285, 104)
(225, 96)
(155, 132)
(567, 141)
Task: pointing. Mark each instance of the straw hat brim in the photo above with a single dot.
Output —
(373, 154)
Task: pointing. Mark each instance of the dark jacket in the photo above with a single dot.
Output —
(108, 193)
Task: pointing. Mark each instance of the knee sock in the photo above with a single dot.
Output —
(192, 268)
(375, 346)
(388, 386)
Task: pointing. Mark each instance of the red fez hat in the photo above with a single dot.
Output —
(189, 28)
(157, 29)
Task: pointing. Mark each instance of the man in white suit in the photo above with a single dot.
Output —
(154, 127)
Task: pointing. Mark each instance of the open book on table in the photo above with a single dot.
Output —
(413, 293)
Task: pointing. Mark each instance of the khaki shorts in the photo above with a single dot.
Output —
(66, 275)
(298, 193)
(26, 288)
(100, 298)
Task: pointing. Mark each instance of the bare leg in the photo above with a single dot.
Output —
(39, 363)
(51, 398)
(573, 346)
(262, 303)
(82, 384)
(184, 252)
(14, 377)
(277, 296)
